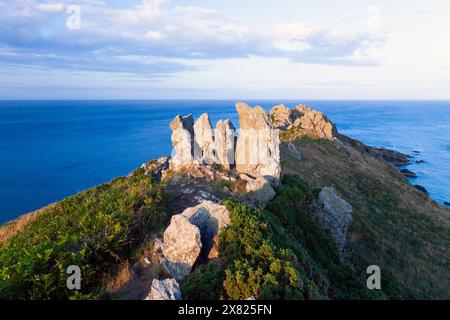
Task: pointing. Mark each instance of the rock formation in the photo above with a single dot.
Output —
(182, 141)
(181, 247)
(335, 214)
(204, 149)
(225, 142)
(259, 190)
(258, 144)
(210, 218)
(301, 110)
(167, 289)
(316, 124)
(190, 234)
(281, 116)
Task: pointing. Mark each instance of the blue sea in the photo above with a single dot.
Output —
(53, 149)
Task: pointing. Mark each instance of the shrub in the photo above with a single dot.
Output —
(95, 229)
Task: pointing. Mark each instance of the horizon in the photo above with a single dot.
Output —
(203, 50)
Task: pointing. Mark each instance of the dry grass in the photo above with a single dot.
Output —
(8, 230)
(394, 225)
(133, 280)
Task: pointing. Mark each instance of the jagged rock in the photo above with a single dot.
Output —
(335, 215)
(210, 218)
(182, 141)
(225, 143)
(167, 289)
(281, 116)
(421, 188)
(259, 189)
(204, 150)
(258, 144)
(316, 124)
(156, 167)
(301, 109)
(408, 173)
(395, 158)
(181, 247)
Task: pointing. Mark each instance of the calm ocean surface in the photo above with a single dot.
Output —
(52, 149)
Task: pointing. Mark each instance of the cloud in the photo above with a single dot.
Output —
(161, 37)
(307, 43)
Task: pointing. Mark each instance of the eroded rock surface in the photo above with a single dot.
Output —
(210, 218)
(225, 143)
(204, 148)
(281, 116)
(259, 190)
(258, 144)
(167, 289)
(335, 214)
(181, 247)
(316, 124)
(182, 141)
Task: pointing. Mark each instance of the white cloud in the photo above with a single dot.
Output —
(50, 7)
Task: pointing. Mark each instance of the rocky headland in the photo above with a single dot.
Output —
(317, 205)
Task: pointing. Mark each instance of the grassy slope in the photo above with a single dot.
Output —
(98, 229)
(278, 253)
(394, 225)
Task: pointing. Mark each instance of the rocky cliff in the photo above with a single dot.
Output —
(285, 207)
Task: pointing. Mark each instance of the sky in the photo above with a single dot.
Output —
(215, 49)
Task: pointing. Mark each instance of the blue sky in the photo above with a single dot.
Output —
(215, 49)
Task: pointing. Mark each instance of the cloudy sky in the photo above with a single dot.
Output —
(216, 49)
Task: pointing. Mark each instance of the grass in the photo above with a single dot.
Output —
(277, 253)
(98, 229)
(394, 226)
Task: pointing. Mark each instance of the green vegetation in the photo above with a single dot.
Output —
(278, 253)
(97, 229)
(394, 226)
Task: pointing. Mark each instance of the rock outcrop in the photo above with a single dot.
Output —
(204, 148)
(191, 234)
(181, 247)
(210, 218)
(182, 141)
(301, 109)
(281, 116)
(258, 144)
(259, 190)
(225, 143)
(335, 214)
(167, 289)
(315, 123)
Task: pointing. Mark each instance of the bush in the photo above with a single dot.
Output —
(281, 252)
(95, 229)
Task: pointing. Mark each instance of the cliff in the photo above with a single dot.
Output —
(284, 208)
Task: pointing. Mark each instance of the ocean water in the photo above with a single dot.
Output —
(53, 149)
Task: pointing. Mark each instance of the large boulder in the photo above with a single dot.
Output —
(167, 289)
(225, 142)
(181, 247)
(182, 141)
(204, 152)
(210, 218)
(281, 116)
(259, 190)
(258, 144)
(335, 214)
(315, 123)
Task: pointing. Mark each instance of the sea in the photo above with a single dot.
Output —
(53, 149)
